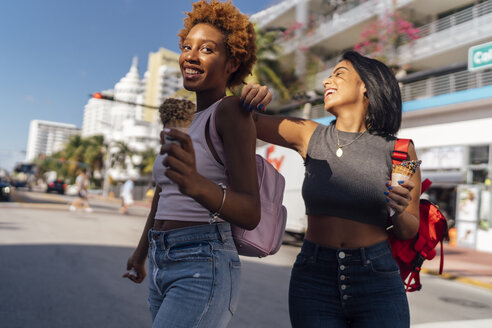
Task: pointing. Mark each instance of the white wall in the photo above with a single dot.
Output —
(472, 132)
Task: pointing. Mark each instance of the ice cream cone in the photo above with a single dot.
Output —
(402, 172)
(179, 125)
(176, 114)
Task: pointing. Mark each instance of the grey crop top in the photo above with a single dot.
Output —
(352, 186)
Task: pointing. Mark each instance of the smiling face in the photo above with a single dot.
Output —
(204, 60)
(344, 89)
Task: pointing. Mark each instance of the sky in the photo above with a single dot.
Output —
(55, 53)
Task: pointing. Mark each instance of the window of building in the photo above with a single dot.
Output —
(479, 175)
(479, 155)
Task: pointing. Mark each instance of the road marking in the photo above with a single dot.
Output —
(480, 323)
(465, 280)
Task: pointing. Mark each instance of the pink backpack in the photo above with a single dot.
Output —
(267, 237)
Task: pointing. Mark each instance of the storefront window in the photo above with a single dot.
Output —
(479, 155)
(479, 176)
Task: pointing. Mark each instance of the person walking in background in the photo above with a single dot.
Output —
(194, 265)
(345, 274)
(82, 201)
(126, 194)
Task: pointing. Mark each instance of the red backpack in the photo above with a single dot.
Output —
(433, 228)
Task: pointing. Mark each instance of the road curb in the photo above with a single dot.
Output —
(465, 280)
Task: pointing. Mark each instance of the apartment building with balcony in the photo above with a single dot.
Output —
(447, 108)
(163, 79)
(46, 137)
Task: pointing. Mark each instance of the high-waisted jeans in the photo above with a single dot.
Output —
(194, 275)
(357, 288)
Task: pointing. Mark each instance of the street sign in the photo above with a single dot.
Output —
(480, 56)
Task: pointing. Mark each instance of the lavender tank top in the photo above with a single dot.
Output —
(173, 205)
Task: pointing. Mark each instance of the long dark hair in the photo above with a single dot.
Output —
(384, 110)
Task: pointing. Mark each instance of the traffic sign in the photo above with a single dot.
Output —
(480, 56)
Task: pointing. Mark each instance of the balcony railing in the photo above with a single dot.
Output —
(266, 16)
(457, 18)
(346, 16)
(439, 85)
(468, 32)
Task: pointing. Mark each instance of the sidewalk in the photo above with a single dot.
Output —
(50, 201)
(463, 265)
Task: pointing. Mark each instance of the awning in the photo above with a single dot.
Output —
(445, 178)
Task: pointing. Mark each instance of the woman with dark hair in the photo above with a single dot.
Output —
(194, 264)
(345, 275)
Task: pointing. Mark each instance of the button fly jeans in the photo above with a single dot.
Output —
(194, 275)
(356, 288)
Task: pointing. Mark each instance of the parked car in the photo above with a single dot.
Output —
(24, 175)
(57, 185)
(4, 190)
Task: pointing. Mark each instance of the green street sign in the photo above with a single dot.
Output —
(480, 57)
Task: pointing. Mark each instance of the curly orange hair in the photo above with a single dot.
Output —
(240, 36)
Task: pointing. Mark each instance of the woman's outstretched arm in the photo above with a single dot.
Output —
(290, 132)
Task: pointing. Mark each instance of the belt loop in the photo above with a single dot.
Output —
(220, 228)
(363, 257)
(164, 240)
(315, 253)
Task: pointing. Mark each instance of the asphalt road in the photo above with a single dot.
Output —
(63, 269)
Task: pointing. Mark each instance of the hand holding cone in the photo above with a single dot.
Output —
(402, 172)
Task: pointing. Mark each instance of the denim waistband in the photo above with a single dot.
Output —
(315, 251)
(205, 232)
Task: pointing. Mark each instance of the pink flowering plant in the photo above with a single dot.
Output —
(290, 32)
(381, 38)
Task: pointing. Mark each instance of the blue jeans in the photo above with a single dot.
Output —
(194, 275)
(357, 288)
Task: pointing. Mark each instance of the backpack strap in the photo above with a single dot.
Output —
(441, 263)
(413, 283)
(425, 185)
(213, 139)
(400, 152)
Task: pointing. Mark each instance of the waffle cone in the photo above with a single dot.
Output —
(178, 124)
(402, 170)
(400, 173)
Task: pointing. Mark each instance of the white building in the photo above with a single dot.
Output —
(47, 137)
(170, 81)
(97, 116)
(447, 108)
(121, 122)
(162, 79)
(129, 89)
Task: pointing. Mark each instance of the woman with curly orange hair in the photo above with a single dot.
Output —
(194, 265)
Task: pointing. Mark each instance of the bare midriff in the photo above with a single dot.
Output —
(335, 232)
(164, 225)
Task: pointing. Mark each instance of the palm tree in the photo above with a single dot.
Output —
(123, 153)
(147, 164)
(267, 69)
(73, 154)
(94, 155)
